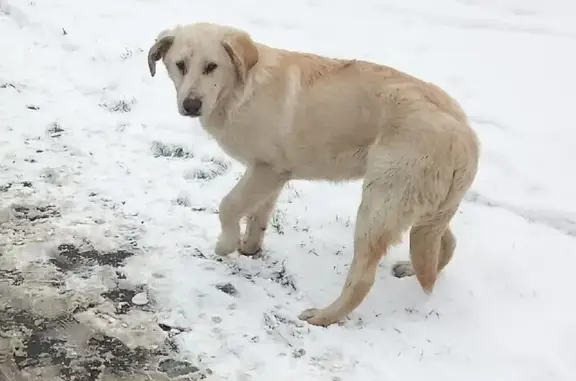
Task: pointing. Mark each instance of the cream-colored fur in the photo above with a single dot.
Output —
(289, 115)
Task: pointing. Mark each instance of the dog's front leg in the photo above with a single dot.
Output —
(256, 186)
(256, 225)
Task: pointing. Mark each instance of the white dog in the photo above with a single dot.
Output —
(289, 115)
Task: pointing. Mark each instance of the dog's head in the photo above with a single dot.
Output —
(206, 63)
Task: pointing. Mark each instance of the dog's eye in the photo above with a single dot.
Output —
(181, 66)
(210, 67)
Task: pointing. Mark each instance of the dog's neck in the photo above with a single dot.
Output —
(230, 103)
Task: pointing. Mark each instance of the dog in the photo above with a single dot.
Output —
(292, 115)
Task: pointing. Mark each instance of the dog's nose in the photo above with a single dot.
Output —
(192, 106)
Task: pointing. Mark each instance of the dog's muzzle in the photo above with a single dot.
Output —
(192, 107)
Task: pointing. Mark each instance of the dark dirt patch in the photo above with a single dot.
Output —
(70, 345)
(212, 168)
(283, 278)
(100, 353)
(175, 368)
(54, 129)
(204, 174)
(122, 299)
(122, 105)
(36, 212)
(86, 370)
(116, 355)
(164, 327)
(227, 288)
(278, 222)
(14, 277)
(83, 359)
(120, 275)
(221, 165)
(70, 258)
(160, 149)
(17, 320)
(208, 173)
(39, 349)
(274, 271)
(7, 85)
(172, 330)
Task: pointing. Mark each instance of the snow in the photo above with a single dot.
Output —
(96, 137)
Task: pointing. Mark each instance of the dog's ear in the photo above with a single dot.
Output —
(158, 50)
(243, 53)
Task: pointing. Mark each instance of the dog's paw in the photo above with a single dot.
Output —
(318, 317)
(226, 245)
(402, 269)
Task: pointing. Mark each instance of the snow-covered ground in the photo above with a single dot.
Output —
(95, 158)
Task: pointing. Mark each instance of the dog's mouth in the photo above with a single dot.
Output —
(193, 114)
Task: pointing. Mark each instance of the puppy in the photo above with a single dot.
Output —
(290, 115)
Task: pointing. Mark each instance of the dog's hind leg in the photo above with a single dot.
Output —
(382, 218)
(432, 245)
(402, 269)
(447, 247)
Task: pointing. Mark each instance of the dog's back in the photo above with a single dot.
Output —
(317, 117)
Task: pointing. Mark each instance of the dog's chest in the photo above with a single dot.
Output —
(247, 143)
